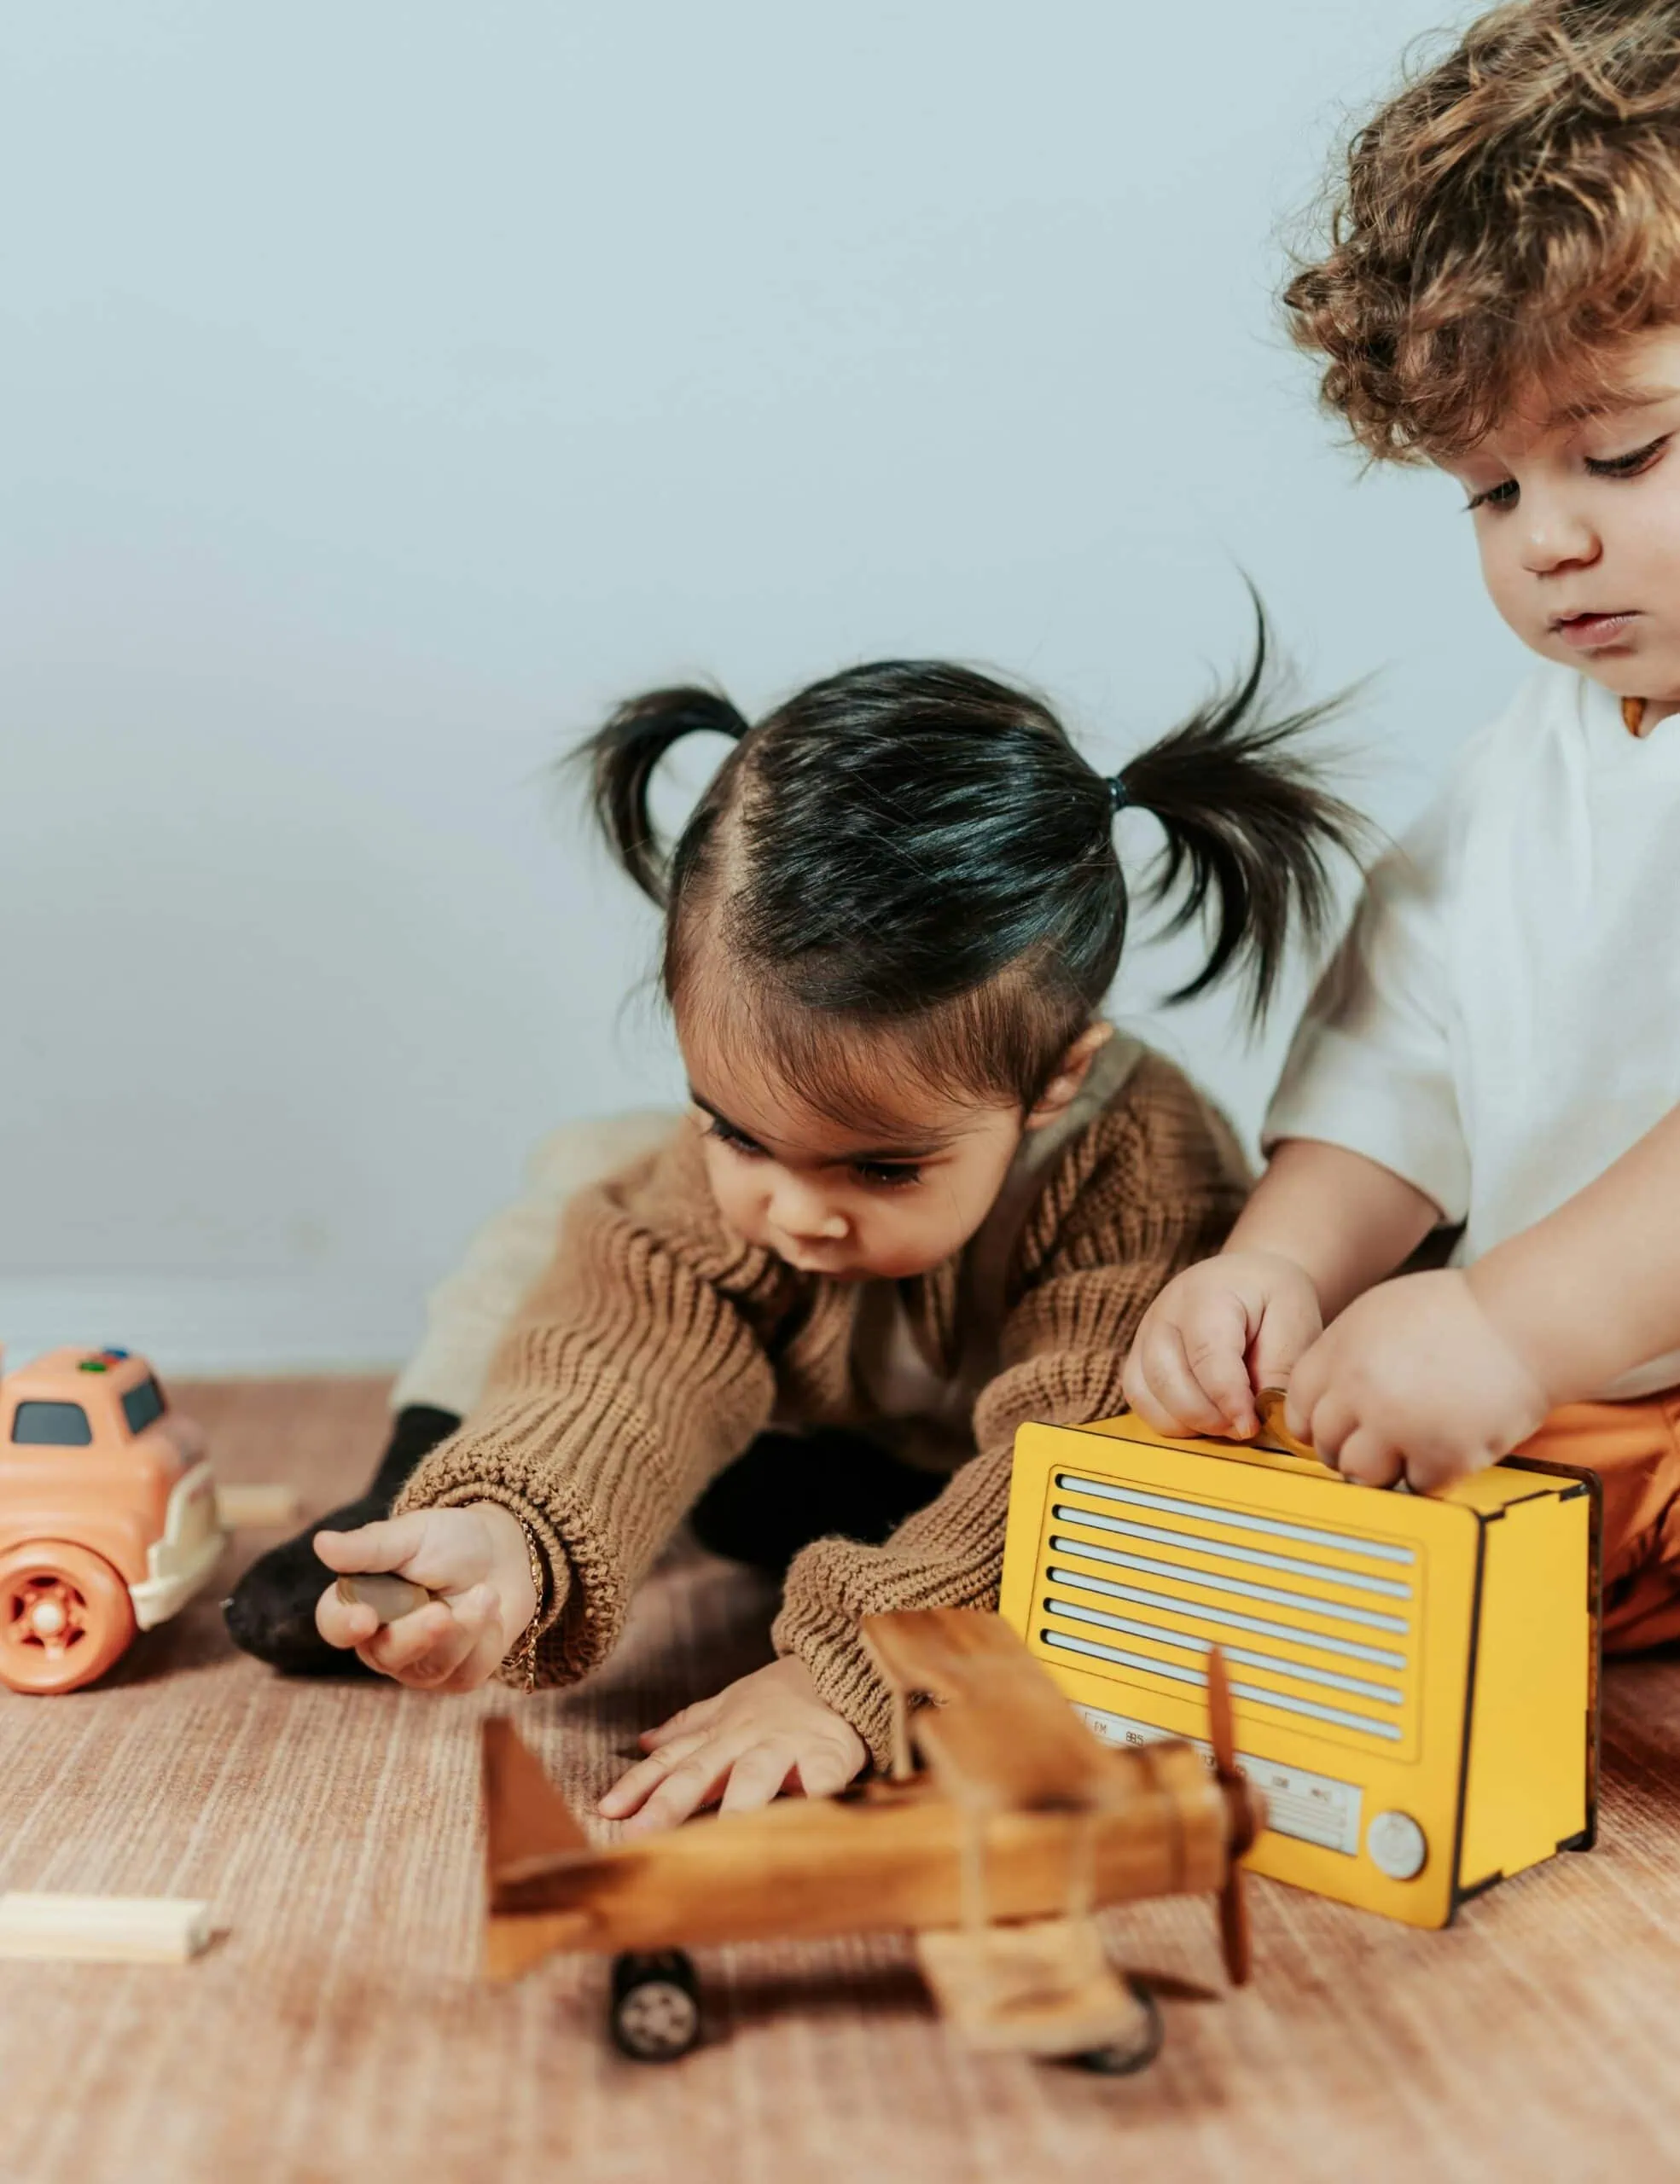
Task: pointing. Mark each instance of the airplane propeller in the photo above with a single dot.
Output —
(1234, 1935)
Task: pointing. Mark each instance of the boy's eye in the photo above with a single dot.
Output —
(890, 1175)
(1630, 464)
(1502, 496)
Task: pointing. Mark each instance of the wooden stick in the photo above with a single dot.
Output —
(103, 1928)
(388, 1595)
(257, 1507)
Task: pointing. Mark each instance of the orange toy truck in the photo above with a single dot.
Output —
(107, 1515)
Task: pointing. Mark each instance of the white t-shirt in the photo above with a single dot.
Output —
(1503, 1020)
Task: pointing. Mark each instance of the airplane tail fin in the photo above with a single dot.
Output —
(527, 1816)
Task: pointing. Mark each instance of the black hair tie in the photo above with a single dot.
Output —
(1119, 794)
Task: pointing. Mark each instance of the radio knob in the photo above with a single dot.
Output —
(1396, 1845)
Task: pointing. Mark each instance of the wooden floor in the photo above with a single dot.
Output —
(336, 2030)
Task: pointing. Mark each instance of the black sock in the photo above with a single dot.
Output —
(270, 1611)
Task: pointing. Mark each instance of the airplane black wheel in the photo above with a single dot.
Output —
(1126, 2057)
(654, 2014)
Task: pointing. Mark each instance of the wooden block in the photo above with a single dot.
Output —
(387, 1595)
(257, 1508)
(103, 1928)
(1045, 1988)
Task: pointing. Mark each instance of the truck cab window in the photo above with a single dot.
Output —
(143, 1406)
(52, 1425)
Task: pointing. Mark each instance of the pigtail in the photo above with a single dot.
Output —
(621, 757)
(1250, 829)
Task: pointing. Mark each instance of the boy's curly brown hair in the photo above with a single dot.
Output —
(1504, 224)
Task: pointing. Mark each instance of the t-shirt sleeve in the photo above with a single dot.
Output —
(1371, 1066)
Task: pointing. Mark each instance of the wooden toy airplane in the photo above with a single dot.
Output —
(995, 1858)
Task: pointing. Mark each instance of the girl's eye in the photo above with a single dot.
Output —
(735, 1139)
(1502, 496)
(887, 1175)
(1628, 465)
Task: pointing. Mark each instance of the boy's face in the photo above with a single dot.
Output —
(1578, 521)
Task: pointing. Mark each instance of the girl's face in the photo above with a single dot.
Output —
(887, 1201)
(1578, 521)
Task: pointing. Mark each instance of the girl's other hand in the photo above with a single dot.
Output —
(1415, 1381)
(1219, 1332)
(767, 1732)
(474, 1559)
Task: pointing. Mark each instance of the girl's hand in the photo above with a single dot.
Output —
(473, 1559)
(767, 1732)
(1219, 1332)
(1415, 1381)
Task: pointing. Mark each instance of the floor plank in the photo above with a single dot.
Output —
(336, 2030)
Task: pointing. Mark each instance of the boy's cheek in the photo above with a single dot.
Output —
(1513, 591)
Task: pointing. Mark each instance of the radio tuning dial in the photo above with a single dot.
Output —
(1397, 1845)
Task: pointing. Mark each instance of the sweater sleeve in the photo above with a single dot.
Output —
(1153, 1185)
(635, 1372)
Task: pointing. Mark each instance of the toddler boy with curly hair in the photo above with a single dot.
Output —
(1496, 1047)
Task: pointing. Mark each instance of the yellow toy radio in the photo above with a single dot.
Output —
(1415, 1677)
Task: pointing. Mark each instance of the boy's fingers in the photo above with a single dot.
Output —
(1371, 1458)
(1216, 1348)
(1288, 1328)
(1135, 1386)
(1305, 1386)
(1329, 1425)
(1173, 1383)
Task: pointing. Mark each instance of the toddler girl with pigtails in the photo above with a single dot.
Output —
(925, 1192)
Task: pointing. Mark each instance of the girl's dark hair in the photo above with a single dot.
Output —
(917, 847)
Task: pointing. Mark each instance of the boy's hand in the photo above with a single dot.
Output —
(1415, 1381)
(1218, 1332)
(473, 1559)
(767, 1732)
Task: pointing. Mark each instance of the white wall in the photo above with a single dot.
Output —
(390, 387)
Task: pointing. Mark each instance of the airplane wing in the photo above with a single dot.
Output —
(1001, 1738)
(1044, 1987)
(527, 1819)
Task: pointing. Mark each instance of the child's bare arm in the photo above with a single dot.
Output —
(1345, 1221)
(1323, 1223)
(1593, 1290)
(1437, 1374)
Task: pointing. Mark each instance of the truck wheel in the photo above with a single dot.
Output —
(655, 2015)
(65, 1616)
(1138, 2050)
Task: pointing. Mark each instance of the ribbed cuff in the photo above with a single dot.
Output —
(828, 1642)
(554, 1663)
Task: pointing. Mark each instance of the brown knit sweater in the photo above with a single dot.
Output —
(659, 1343)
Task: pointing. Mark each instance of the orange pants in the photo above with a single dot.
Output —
(1635, 1449)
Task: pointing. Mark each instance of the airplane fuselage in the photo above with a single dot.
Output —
(899, 1858)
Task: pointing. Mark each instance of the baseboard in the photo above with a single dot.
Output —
(193, 1325)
